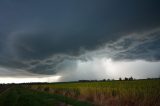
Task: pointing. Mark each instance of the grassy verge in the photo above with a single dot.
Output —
(18, 96)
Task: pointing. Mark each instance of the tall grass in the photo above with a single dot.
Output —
(113, 93)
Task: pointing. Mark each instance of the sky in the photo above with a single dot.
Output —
(70, 40)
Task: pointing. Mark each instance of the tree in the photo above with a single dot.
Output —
(104, 80)
(131, 78)
(108, 80)
(126, 78)
(120, 79)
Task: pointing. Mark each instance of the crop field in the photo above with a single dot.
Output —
(109, 93)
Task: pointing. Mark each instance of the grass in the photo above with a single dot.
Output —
(113, 93)
(18, 96)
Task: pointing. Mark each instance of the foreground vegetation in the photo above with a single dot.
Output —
(19, 96)
(110, 93)
(106, 93)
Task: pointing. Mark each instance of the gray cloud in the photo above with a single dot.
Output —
(30, 57)
(145, 46)
(52, 37)
(137, 46)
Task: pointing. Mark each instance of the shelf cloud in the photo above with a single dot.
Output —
(67, 37)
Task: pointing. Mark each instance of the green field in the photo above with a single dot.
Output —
(19, 96)
(109, 93)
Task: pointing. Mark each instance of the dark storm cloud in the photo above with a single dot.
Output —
(145, 47)
(37, 36)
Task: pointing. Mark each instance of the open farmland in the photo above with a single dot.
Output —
(110, 93)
